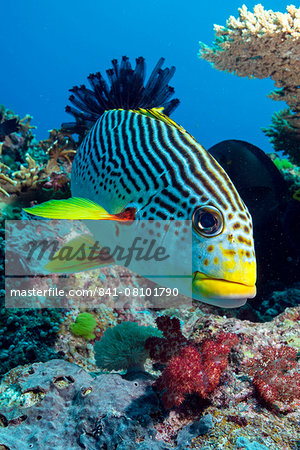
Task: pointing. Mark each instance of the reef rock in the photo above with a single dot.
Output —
(59, 405)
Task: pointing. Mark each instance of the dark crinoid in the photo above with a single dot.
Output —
(125, 89)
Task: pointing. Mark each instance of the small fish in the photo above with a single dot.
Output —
(135, 158)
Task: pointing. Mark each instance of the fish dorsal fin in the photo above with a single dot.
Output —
(156, 113)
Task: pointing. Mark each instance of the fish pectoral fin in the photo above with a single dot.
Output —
(74, 208)
(79, 254)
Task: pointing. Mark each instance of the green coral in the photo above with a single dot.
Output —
(282, 163)
(284, 136)
(84, 326)
(123, 346)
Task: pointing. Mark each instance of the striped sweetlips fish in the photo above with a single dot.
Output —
(136, 163)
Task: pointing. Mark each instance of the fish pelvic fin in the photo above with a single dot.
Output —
(77, 208)
(78, 255)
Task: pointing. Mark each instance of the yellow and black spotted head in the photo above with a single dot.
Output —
(224, 263)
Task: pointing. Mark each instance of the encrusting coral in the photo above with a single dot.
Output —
(265, 44)
(275, 377)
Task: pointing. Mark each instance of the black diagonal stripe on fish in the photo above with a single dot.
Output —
(147, 162)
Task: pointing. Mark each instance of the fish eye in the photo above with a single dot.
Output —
(208, 221)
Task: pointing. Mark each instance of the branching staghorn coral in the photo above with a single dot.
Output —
(264, 44)
(28, 176)
(25, 124)
(5, 180)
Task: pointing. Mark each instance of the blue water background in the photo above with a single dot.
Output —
(49, 46)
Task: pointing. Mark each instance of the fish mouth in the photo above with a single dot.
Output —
(222, 292)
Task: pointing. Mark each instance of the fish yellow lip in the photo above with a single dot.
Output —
(210, 287)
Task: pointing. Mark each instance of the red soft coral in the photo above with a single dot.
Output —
(276, 378)
(215, 357)
(162, 349)
(192, 368)
(183, 375)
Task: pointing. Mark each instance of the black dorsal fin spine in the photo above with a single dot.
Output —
(125, 89)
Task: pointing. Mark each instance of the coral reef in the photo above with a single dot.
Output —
(265, 44)
(32, 176)
(32, 170)
(240, 415)
(86, 409)
(26, 335)
(213, 397)
(14, 143)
